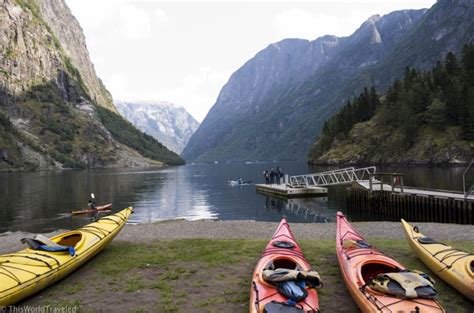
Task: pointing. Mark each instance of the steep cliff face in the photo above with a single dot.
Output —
(169, 124)
(71, 37)
(274, 105)
(50, 96)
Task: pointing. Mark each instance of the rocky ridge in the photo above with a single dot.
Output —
(272, 100)
(262, 114)
(50, 94)
(169, 124)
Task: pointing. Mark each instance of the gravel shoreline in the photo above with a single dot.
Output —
(216, 229)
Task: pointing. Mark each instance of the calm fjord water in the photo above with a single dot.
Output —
(42, 201)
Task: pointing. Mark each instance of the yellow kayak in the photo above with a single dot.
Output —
(28, 271)
(454, 266)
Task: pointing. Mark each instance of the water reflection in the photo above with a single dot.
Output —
(171, 195)
(42, 201)
(312, 210)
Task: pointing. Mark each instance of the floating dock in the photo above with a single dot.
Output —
(423, 192)
(286, 191)
(375, 200)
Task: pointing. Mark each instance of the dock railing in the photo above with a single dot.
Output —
(471, 189)
(395, 180)
(330, 178)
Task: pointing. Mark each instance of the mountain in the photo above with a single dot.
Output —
(54, 111)
(425, 118)
(169, 124)
(274, 106)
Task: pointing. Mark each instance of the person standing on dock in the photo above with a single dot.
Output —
(266, 175)
(278, 175)
(272, 176)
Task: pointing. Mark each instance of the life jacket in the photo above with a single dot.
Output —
(311, 278)
(41, 242)
(404, 284)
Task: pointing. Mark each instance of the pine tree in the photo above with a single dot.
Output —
(437, 114)
(467, 119)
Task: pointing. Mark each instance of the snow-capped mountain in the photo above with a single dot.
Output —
(170, 124)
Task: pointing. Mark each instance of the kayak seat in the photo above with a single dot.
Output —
(282, 263)
(372, 270)
(427, 240)
(278, 307)
(70, 240)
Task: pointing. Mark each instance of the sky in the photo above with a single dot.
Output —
(184, 52)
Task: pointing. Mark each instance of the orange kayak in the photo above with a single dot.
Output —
(360, 262)
(282, 252)
(98, 208)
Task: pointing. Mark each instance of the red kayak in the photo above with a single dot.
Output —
(283, 280)
(362, 264)
(105, 207)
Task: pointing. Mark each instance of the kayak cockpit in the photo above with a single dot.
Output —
(70, 239)
(282, 263)
(372, 269)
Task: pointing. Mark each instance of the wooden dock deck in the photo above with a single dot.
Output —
(283, 190)
(387, 202)
(442, 194)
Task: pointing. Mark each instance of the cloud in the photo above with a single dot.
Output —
(298, 23)
(133, 19)
(160, 16)
(161, 50)
(135, 22)
(196, 91)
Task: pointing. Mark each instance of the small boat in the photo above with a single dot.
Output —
(362, 265)
(28, 271)
(269, 290)
(105, 207)
(454, 266)
(237, 183)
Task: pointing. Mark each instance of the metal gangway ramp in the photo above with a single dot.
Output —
(330, 178)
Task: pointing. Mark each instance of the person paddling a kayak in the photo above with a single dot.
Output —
(91, 203)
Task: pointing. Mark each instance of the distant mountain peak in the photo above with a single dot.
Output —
(152, 103)
(374, 19)
(169, 123)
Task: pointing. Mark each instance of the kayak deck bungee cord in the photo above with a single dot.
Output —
(454, 266)
(370, 276)
(28, 271)
(283, 280)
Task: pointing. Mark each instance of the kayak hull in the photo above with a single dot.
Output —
(27, 272)
(105, 207)
(452, 265)
(262, 292)
(360, 263)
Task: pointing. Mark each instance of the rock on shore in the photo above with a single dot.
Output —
(181, 229)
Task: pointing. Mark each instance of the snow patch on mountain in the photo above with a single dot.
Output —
(169, 123)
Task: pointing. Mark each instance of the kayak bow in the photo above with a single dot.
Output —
(282, 252)
(28, 271)
(360, 262)
(454, 266)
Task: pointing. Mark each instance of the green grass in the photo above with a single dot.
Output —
(201, 275)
